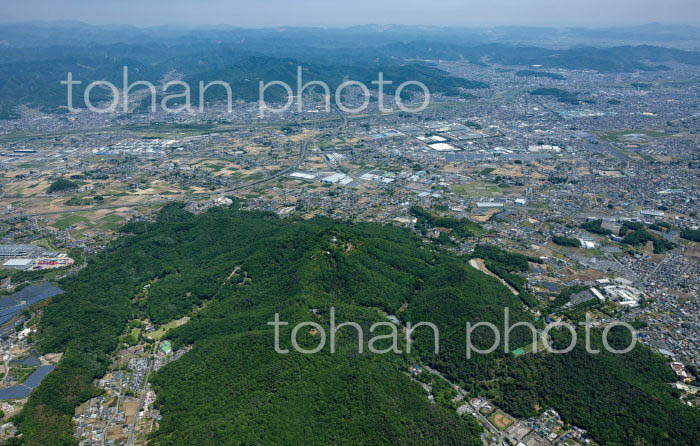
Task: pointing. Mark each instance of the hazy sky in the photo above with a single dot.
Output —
(352, 12)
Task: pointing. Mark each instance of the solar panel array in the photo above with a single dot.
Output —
(36, 293)
(11, 305)
(38, 375)
(11, 310)
(29, 361)
(15, 392)
(23, 390)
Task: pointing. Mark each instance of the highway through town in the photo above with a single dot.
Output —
(303, 152)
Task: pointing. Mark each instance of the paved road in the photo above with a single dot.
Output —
(481, 418)
(7, 367)
(119, 398)
(130, 441)
(302, 157)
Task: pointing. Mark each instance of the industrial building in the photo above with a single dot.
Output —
(306, 176)
(442, 147)
(337, 178)
(21, 264)
(624, 295)
(489, 204)
(27, 251)
(586, 243)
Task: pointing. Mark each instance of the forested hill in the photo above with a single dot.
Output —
(32, 64)
(239, 268)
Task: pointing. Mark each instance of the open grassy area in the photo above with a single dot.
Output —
(21, 372)
(539, 345)
(646, 157)
(111, 222)
(160, 332)
(216, 167)
(69, 220)
(500, 420)
(476, 189)
(630, 135)
(595, 252)
(135, 333)
(46, 243)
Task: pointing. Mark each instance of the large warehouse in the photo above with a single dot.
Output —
(21, 264)
(28, 251)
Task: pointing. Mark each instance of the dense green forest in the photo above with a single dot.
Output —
(563, 298)
(233, 388)
(428, 220)
(691, 234)
(642, 236)
(293, 266)
(595, 226)
(507, 266)
(61, 184)
(634, 233)
(628, 226)
(245, 75)
(566, 241)
(30, 82)
(621, 399)
(561, 95)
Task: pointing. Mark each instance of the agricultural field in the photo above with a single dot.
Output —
(69, 220)
(476, 189)
(631, 136)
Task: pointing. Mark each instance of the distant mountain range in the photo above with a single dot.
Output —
(36, 56)
(73, 33)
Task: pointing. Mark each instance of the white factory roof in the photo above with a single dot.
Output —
(442, 147)
(588, 244)
(307, 176)
(335, 178)
(369, 177)
(18, 262)
(598, 294)
(544, 148)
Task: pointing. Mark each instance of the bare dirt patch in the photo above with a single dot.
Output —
(479, 264)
